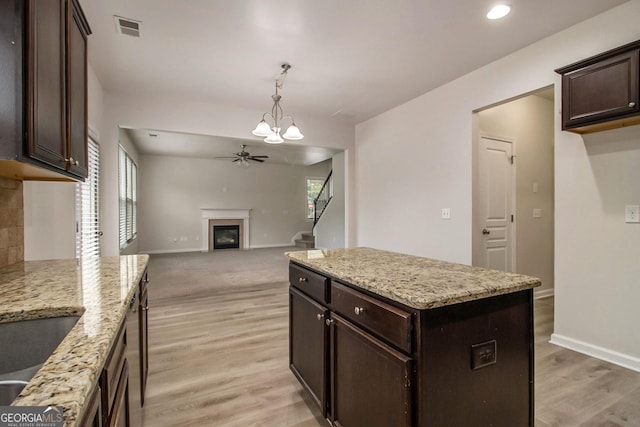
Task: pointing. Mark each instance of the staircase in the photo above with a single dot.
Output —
(307, 241)
(324, 197)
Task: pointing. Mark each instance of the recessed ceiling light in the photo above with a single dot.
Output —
(499, 11)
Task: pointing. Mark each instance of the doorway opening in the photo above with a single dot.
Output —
(513, 188)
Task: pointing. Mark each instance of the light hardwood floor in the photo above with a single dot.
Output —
(218, 337)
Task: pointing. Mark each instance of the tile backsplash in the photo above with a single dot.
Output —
(11, 222)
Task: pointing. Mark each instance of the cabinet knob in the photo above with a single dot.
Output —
(302, 279)
(145, 308)
(319, 316)
(72, 162)
(358, 310)
(632, 104)
(328, 322)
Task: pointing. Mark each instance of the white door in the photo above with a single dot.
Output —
(496, 203)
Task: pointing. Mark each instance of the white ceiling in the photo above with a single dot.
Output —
(178, 144)
(352, 59)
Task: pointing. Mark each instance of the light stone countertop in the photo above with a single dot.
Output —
(417, 282)
(98, 289)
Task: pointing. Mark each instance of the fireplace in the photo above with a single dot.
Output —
(226, 237)
(216, 217)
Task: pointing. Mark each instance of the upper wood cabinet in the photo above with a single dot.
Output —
(602, 92)
(43, 134)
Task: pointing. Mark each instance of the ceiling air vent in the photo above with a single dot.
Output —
(126, 26)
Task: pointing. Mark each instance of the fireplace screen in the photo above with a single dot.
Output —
(226, 237)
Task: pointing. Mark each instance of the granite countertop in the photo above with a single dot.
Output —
(98, 289)
(417, 282)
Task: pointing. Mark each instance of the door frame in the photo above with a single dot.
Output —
(476, 228)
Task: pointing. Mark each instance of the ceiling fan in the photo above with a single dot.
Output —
(242, 158)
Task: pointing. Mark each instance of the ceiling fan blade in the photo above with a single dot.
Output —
(256, 160)
(260, 157)
(236, 160)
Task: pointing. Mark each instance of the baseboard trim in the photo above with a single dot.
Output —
(620, 359)
(278, 245)
(177, 251)
(543, 293)
(172, 251)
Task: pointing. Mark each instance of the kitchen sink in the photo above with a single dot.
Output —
(26, 345)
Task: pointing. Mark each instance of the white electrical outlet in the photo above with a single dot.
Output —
(446, 213)
(632, 213)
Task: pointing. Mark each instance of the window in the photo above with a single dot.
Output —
(314, 185)
(87, 207)
(127, 177)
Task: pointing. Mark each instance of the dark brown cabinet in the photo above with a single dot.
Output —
(119, 416)
(138, 350)
(376, 362)
(114, 383)
(143, 324)
(370, 381)
(308, 354)
(77, 113)
(355, 378)
(43, 134)
(93, 413)
(602, 92)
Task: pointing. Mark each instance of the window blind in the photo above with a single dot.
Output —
(88, 207)
(127, 177)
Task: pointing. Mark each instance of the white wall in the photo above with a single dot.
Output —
(528, 122)
(330, 230)
(429, 142)
(49, 220)
(172, 190)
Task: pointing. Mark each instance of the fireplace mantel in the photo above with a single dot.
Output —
(232, 214)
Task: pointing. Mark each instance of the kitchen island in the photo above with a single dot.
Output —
(379, 338)
(97, 289)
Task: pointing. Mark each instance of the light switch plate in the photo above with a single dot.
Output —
(537, 212)
(446, 213)
(632, 213)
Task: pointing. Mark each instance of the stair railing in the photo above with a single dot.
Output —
(324, 197)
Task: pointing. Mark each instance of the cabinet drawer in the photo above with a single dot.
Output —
(312, 284)
(387, 322)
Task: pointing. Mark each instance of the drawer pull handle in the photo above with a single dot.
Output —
(302, 280)
(319, 316)
(358, 311)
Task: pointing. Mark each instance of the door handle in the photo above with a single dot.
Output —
(485, 231)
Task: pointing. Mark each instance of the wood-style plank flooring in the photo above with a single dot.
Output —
(218, 349)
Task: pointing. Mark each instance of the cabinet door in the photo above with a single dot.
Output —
(370, 381)
(46, 119)
(601, 91)
(308, 345)
(92, 416)
(143, 314)
(76, 91)
(119, 416)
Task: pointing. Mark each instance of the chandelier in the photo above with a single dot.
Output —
(271, 131)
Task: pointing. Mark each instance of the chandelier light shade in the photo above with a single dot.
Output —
(270, 130)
